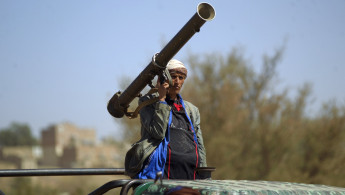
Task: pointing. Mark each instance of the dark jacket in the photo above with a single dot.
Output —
(154, 122)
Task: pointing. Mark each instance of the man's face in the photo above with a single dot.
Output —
(178, 80)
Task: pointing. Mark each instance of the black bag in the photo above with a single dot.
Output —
(136, 156)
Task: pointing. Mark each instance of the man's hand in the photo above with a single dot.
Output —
(162, 90)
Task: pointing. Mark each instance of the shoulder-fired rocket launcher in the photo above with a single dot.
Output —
(119, 103)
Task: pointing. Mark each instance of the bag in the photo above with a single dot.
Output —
(136, 156)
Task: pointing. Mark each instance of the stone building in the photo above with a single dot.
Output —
(65, 145)
(19, 157)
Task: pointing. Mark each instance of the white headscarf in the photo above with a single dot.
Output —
(177, 66)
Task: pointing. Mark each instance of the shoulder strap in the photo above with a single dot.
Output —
(134, 114)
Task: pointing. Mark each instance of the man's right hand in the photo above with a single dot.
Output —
(162, 90)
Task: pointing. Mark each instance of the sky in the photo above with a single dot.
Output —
(61, 61)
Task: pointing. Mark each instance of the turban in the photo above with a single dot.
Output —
(177, 66)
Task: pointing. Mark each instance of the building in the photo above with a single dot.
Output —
(19, 157)
(65, 145)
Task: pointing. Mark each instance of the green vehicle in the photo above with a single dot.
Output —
(216, 187)
(236, 187)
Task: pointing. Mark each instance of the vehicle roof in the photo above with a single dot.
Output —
(243, 187)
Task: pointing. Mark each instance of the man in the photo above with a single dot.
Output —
(172, 127)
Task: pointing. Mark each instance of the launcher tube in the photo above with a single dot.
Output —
(119, 103)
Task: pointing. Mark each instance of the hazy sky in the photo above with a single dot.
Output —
(63, 60)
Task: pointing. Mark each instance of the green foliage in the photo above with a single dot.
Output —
(17, 135)
(253, 132)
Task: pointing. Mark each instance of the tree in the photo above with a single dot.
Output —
(17, 135)
(253, 132)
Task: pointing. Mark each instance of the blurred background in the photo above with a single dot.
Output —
(267, 77)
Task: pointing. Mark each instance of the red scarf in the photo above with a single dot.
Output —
(178, 106)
